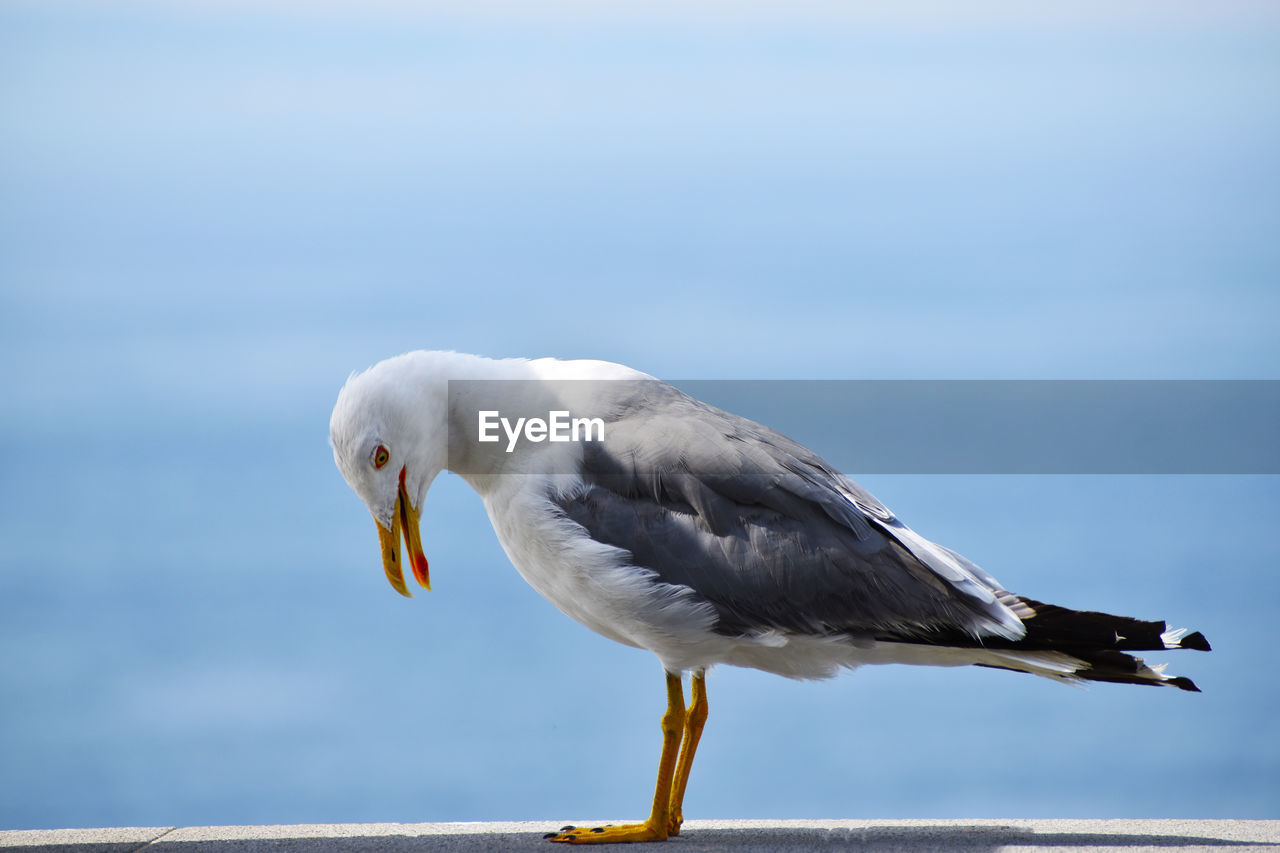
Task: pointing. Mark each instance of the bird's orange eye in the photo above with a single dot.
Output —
(380, 456)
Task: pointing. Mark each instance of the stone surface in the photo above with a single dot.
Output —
(712, 836)
(115, 840)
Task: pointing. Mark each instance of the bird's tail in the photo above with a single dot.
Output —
(1077, 645)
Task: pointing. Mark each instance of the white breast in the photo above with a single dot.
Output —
(593, 583)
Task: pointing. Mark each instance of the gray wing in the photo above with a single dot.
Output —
(766, 531)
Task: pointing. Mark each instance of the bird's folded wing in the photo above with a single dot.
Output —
(766, 531)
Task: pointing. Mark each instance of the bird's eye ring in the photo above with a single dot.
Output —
(380, 456)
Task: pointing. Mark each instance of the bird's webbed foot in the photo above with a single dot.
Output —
(608, 834)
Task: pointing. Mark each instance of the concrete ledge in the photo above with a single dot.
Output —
(729, 836)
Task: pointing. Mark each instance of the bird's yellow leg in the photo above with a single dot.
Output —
(656, 828)
(695, 719)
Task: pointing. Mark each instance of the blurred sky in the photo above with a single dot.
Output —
(212, 212)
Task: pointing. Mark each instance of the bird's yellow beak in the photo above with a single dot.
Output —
(403, 522)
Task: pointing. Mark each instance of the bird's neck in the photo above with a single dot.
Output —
(492, 405)
(473, 384)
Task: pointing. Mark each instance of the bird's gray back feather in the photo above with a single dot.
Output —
(766, 531)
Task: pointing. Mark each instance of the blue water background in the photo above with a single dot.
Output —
(211, 213)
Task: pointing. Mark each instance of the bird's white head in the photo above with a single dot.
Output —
(389, 432)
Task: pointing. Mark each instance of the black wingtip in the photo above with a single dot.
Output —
(1195, 641)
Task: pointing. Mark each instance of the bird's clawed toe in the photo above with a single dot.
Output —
(607, 834)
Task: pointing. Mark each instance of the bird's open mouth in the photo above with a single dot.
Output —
(404, 522)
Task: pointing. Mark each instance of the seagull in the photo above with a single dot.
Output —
(667, 524)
